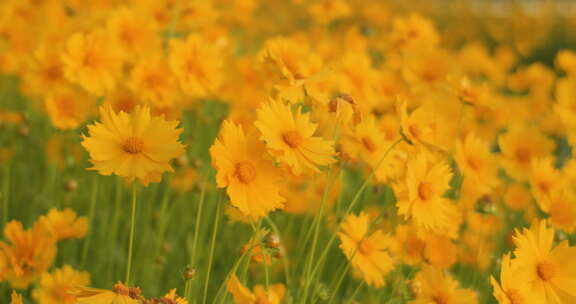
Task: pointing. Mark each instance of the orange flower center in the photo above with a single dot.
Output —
(523, 155)
(545, 271)
(292, 138)
(514, 296)
(365, 247)
(133, 145)
(369, 144)
(440, 299)
(425, 191)
(245, 172)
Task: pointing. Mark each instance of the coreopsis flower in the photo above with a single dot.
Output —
(90, 62)
(566, 61)
(57, 287)
(16, 298)
(549, 270)
(562, 210)
(46, 71)
(67, 107)
(133, 33)
(135, 145)
(251, 181)
(408, 245)
(29, 253)
(197, 65)
(421, 195)
(413, 32)
(545, 181)
(476, 162)
(153, 82)
(243, 295)
(289, 60)
(290, 137)
(519, 146)
(367, 250)
(326, 11)
(432, 285)
(119, 294)
(66, 224)
(512, 289)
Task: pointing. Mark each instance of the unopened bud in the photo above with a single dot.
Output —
(24, 131)
(181, 161)
(71, 185)
(189, 273)
(272, 240)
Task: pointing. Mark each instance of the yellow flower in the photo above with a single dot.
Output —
(67, 108)
(290, 137)
(196, 64)
(90, 62)
(562, 210)
(289, 60)
(545, 180)
(66, 225)
(16, 298)
(30, 253)
(243, 295)
(367, 251)
(476, 162)
(549, 270)
(251, 180)
(134, 145)
(120, 294)
(566, 61)
(420, 195)
(512, 289)
(132, 32)
(46, 72)
(432, 285)
(153, 82)
(326, 11)
(519, 146)
(57, 288)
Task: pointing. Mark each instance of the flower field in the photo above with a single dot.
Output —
(294, 151)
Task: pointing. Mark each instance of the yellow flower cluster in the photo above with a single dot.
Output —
(411, 142)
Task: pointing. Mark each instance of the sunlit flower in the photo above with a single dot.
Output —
(243, 295)
(367, 250)
(290, 137)
(251, 181)
(119, 294)
(135, 145)
(57, 287)
(432, 285)
(66, 225)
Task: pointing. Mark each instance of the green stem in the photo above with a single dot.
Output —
(90, 220)
(132, 228)
(197, 227)
(212, 246)
(351, 206)
(351, 300)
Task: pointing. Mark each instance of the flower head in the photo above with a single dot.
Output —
(135, 145)
(290, 137)
(251, 180)
(367, 251)
(57, 287)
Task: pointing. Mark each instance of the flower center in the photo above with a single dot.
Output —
(245, 172)
(440, 299)
(133, 145)
(523, 155)
(369, 144)
(365, 247)
(121, 289)
(292, 138)
(514, 296)
(545, 271)
(425, 191)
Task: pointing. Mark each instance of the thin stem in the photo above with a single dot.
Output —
(187, 289)
(132, 228)
(212, 246)
(197, 227)
(351, 206)
(90, 219)
(351, 300)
